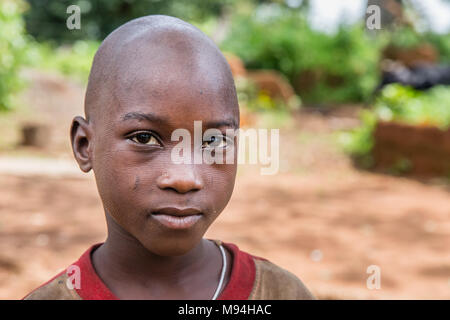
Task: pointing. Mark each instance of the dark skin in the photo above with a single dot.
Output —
(150, 77)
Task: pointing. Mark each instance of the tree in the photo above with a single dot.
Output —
(12, 46)
(46, 19)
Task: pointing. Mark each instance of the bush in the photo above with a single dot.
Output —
(71, 60)
(12, 49)
(345, 63)
(401, 104)
(254, 99)
(405, 37)
(358, 143)
(404, 104)
(442, 43)
(46, 20)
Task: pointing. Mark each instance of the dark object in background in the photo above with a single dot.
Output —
(419, 77)
(410, 57)
(424, 153)
(34, 135)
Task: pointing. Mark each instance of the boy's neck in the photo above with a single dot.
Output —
(123, 259)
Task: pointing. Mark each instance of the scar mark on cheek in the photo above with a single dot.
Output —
(136, 183)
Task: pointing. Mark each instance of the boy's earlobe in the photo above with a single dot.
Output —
(80, 136)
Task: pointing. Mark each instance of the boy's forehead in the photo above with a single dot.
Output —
(174, 88)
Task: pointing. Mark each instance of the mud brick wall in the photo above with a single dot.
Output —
(426, 148)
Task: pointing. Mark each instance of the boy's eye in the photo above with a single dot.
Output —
(145, 138)
(217, 141)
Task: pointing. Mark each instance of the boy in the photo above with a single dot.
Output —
(152, 76)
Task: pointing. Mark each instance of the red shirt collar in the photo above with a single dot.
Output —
(239, 285)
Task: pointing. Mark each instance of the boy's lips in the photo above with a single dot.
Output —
(176, 218)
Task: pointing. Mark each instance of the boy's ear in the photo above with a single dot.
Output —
(81, 138)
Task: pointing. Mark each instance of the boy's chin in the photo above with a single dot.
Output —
(171, 247)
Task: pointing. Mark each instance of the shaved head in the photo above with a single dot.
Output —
(150, 55)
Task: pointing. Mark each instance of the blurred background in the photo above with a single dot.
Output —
(363, 115)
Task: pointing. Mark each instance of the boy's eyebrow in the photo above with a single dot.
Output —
(154, 118)
(143, 116)
(222, 123)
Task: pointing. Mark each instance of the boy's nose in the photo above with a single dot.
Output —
(181, 179)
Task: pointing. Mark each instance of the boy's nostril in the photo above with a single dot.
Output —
(182, 189)
(179, 185)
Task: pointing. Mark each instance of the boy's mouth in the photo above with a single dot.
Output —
(176, 218)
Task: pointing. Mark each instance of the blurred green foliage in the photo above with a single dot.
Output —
(73, 60)
(267, 34)
(12, 49)
(402, 104)
(253, 99)
(343, 65)
(358, 142)
(46, 19)
(406, 37)
(405, 104)
(442, 43)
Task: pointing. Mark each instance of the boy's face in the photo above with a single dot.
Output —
(130, 152)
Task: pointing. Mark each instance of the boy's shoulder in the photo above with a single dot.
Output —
(79, 281)
(54, 289)
(252, 278)
(275, 283)
(267, 280)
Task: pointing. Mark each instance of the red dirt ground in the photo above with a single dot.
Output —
(319, 217)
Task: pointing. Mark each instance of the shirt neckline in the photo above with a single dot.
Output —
(238, 287)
